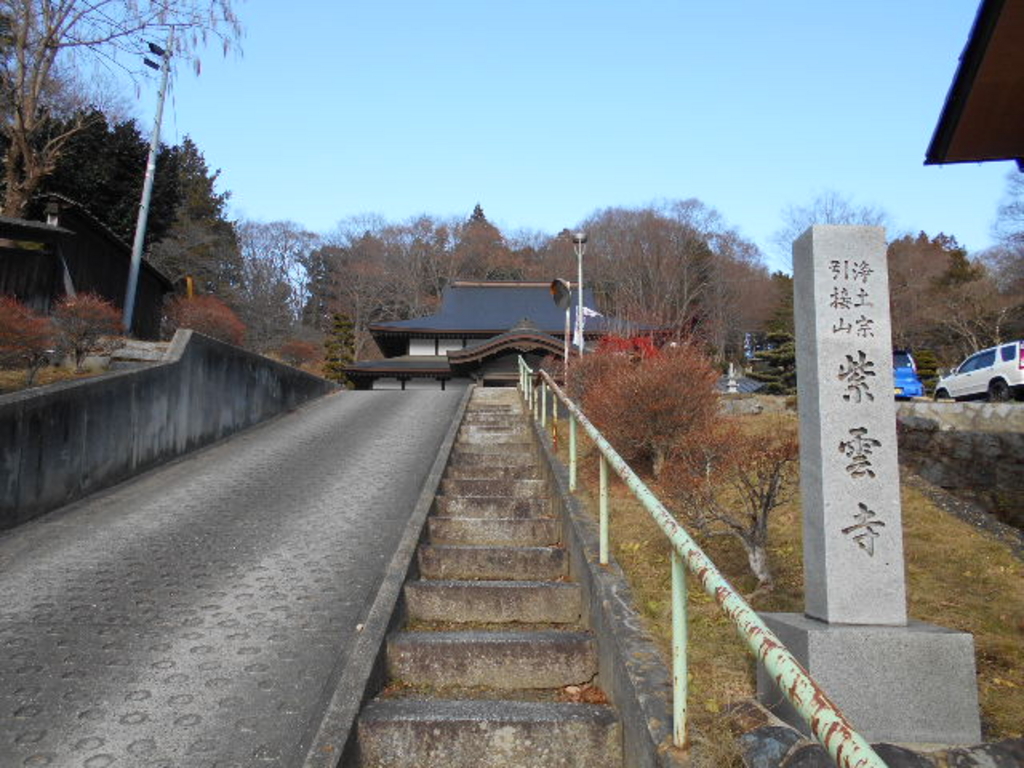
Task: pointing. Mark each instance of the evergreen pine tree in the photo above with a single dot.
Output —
(927, 368)
(776, 366)
(339, 350)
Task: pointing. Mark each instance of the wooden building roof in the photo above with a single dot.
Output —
(983, 117)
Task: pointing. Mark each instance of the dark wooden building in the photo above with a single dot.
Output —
(479, 332)
(72, 252)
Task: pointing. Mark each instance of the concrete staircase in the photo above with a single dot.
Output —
(135, 354)
(493, 667)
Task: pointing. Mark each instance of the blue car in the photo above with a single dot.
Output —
(904, 374)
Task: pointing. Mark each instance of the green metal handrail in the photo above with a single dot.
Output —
(847, 747)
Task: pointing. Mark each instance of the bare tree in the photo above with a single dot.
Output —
(48, 46)
(916, 265)
(671, 264)
(274, 283)
(827, 207)
(1009, 226)
(729, 482)
(1007, 260)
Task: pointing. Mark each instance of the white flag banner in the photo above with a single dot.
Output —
(581, 319)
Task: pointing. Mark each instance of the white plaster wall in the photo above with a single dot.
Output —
(444, 345)
(423, 384)
(421, 346)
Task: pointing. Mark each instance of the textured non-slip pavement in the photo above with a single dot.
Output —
(192, 617)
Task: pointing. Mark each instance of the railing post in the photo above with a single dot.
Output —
(679, 630)
(543, 404)
(572, 452)
(604, 510)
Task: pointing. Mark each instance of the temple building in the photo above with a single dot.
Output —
(479, 332)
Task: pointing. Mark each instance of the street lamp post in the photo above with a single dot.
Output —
(579, 242)
(147, 184)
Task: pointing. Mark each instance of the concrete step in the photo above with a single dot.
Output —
(520, 489)
(497, 660)
(521, 471)
(475, 454)
(492, 563)
(476, 415)
(491, 507)
(470, 458)
(494, 531)
(141, 351)
(496, 602)
(487, 734)
(496, 398)
(474, 436)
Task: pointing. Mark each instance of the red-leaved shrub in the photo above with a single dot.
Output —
(81, 321)
(26, 339)
(207, 315)
(299, 353)
(648, 407)
(636, 347)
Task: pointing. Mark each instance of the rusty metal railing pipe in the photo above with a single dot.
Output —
(828, 724)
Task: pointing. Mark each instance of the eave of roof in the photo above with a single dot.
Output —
(517, 340)
(983, 116)
(414, 365)
(34, 226)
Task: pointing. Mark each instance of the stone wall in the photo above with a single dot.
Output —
(64, 441)
(977, 448)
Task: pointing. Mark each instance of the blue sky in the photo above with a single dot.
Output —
(544, 111)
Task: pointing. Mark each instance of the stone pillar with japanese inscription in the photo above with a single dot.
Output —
(896, 679)
(850, 485)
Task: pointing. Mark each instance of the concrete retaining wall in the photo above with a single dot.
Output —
(975, 447)
(65, 441)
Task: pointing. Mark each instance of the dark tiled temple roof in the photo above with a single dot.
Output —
(493, 307)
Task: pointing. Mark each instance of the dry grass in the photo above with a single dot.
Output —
(14, 380)
(958, 577)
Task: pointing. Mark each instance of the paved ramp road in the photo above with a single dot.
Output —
(191, 617)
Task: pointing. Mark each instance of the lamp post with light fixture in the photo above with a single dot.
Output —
(579, 243)
(147, 185)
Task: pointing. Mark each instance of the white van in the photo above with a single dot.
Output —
(996, 373)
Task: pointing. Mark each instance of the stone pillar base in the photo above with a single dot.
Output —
(911, 684)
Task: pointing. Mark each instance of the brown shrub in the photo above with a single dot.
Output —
(81, 321)
(207, 315)
(299, 353)
(649, 407)
(26, 339)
